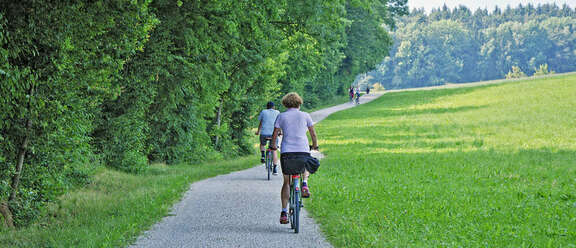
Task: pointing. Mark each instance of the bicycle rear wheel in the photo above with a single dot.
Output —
(297, 205)
(297, 215)
(291, 211)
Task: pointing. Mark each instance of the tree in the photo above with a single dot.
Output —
(454, 46)
(126, 83)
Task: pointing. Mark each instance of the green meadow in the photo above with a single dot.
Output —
(489, 166)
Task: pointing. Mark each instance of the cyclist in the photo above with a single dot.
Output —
(295, 147)
(267, 118)
(357, 96)
(351, 94)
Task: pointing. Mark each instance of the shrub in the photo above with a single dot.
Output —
(543, 70)
(515, 72)
(378, 87)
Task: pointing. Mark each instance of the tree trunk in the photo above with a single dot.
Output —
(219, 121)
(22, 152)
(5, 211)
(21, 155)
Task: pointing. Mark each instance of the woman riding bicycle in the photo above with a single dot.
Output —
(295, 147)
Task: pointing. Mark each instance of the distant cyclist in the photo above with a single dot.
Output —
(351, 93)
(295, 147)
(267, 118)
(357, 96)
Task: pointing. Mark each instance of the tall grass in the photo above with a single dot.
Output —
(491, 166)
(116, 207)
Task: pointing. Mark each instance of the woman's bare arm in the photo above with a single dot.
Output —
(313, 136)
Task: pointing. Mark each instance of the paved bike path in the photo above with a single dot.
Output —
(240, 209)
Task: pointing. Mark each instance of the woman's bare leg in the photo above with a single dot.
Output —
(285, 193)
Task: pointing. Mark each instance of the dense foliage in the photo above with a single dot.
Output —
(455, 46)
(56, 68)
(124, 83)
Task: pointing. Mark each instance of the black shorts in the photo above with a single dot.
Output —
(264, 141)
(293, 163)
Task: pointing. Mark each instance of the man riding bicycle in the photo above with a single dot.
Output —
(295, 147)
(267, 118)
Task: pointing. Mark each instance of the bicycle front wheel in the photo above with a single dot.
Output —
(269, 164)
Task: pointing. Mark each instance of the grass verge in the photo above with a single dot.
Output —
(116, 207)
(490, 166)
(337, 100)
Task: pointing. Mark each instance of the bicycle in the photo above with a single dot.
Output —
(295, 200)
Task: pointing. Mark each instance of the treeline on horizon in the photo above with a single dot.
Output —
(126, 83)
(459, 45)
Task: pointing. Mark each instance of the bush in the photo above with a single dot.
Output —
(516, 72)
(378, 87)
(542, 70)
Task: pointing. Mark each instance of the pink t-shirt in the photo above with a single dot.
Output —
(294, 124)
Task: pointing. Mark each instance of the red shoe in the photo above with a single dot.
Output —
(283, 218)
(305, 191)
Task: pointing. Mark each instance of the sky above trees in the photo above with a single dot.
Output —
(474, 4)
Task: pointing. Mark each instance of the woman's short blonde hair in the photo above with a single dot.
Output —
(292, 100)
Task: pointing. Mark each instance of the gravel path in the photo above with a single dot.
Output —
(323, 113)
(240, 209)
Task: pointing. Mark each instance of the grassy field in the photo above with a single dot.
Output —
(491, 166)
(116, 206)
